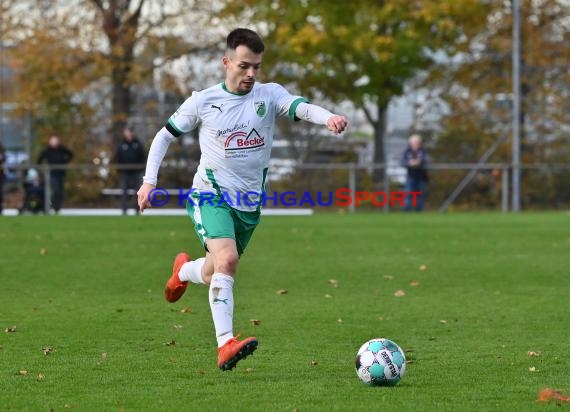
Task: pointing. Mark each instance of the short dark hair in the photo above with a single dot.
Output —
(245, 37)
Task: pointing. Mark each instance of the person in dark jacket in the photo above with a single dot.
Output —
(415, 160)
(130, 152)
(55, 154)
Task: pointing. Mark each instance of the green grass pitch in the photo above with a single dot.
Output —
(88, 292)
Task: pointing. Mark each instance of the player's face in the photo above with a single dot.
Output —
(242, 66)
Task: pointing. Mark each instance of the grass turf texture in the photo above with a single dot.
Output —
(495, 287)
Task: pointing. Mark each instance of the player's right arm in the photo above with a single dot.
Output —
(157, 151)
(182, 121)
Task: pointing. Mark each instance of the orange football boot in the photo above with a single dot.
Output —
(235, 350)
(175, 288)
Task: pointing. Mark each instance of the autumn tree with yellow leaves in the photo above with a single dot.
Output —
(362, 51)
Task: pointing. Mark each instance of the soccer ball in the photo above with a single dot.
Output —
(380, 362)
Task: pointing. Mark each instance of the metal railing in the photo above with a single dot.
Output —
(451, 180)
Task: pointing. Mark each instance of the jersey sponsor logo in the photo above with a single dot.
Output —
(238, 126)
(260, 108)
(217, 107)
(242, 141)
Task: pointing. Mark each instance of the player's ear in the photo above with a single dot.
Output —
(225, 61)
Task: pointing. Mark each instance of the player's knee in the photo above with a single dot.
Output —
(227, 262)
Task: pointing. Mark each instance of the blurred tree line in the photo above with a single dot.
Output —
(87, 67)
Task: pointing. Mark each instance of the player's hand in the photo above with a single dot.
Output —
(337, 124)
(143, 196)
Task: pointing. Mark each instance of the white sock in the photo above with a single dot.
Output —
(222, 306)
(192, 271)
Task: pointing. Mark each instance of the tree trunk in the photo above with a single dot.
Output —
(120, 27)
(121, 101)
(380, 126)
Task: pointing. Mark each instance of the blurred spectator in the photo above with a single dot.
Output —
(415, 160)
(56, 154)
(2, 177)
(33, 192)
(130, 152)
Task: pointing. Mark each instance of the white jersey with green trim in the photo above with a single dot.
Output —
(235, 135)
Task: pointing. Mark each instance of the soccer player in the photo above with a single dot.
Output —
(236, 121)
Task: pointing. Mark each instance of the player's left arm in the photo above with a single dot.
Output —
(316, 114)
(297, 108)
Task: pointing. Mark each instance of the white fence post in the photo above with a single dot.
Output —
(352, 185)
(505, 189)
(47, 188)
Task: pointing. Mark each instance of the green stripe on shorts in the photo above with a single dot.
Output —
(218, 220)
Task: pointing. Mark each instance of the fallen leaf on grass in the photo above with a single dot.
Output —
(443, 321)
(533, 369)
(255, 322)
(249, 370)
(388, 277)
(414, 283)
(339, 320)
(47, 350)
(23, 372)
(314, 363)
(423, 267)
(171, 343)
(40, 377)
(43, 251)
(282, 292)
(186, 310)
(533, 353)
(178, 326)
(548, 394)
(328, 296)
(10, 330)
(333, 283)
(104, 356)
(399, 293)
(67, 406)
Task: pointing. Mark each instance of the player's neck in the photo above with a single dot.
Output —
(237, 93)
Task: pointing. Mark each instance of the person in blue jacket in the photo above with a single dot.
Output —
(415, 160)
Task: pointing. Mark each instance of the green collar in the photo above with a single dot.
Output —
(230, 92)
